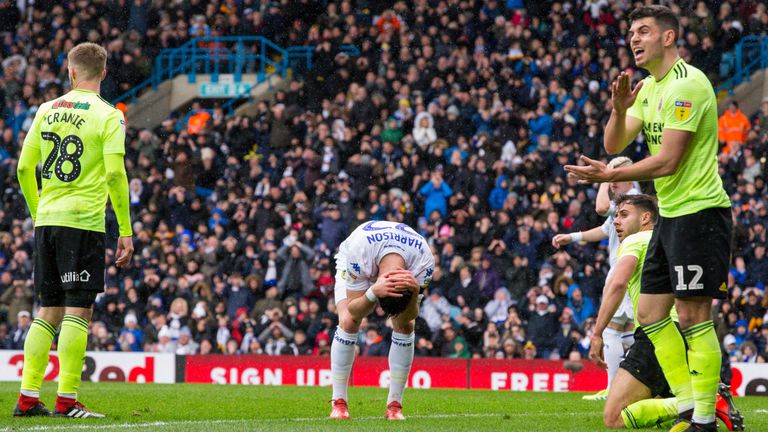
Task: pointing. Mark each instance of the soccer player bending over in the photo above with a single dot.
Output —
(386, 263)
(689, 251)
(632, 399)
(619, 331)
(81, 140)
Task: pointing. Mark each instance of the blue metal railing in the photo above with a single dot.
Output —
(234, 55)
(751, 54)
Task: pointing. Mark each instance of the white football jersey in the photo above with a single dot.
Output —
(357, 262)
(624, 314)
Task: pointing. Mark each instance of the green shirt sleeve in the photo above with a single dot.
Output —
(25, 171)
(631, 246)
(685, 102)
(117, 183)
(28, 160)
(113, 134)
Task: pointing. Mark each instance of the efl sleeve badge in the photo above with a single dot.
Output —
(683, 110)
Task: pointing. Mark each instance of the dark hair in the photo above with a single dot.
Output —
(645, 203)
(393, 306)
(663, 15)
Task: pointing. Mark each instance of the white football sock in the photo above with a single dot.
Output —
(613, 352)
(400, 361)
(342, 357)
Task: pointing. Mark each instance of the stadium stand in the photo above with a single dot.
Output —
(456, 117)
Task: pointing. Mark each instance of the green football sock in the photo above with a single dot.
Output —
(649, 413)
(37, 346)
(704, 359)
(72, 343)
(670, 351)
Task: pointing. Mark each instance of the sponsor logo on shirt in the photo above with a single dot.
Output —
(73, 105)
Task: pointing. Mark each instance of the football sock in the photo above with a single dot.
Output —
(72, 342)
(704, 362)
(613, 352)
(37, 346)
(649, 413)
(400, 361)
(670, 351)
(342, 357)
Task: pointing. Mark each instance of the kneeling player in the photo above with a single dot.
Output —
(631, 398)
(388, 263)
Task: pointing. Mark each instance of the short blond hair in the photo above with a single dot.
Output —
(89, 59)
(620, 162)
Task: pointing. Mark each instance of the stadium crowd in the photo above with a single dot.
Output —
(456, 118)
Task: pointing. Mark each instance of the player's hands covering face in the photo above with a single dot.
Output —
(393, 283)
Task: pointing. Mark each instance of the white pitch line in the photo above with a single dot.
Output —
(271, 420)
(290, 420)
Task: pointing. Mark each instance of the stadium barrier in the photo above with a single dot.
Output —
(482, 374)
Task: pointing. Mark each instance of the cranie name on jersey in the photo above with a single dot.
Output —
(73, 105)
(652, 132)
(65, 117)
(402, 239)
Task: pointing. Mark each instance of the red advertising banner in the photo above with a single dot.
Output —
(535, 375)
(316, 371)
(258, 370)
(522, 375)
(101, 366)
(426, 372)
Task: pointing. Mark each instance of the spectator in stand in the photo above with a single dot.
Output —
(18, 297)
(542, 326)
(732, 126)
(18, 333)
(374, 345)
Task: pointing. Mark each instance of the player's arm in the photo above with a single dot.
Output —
(613, 295)
(390, 284)
(620, 130)
(28, 159)
(662, 164)
(685, 102)
(117, 184)
(624, 123)
(408, 281)
(603, 200)
(25, 170)
(593, 235)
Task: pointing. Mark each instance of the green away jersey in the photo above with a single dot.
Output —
(636, 245)
(72, 135)
(683, 100)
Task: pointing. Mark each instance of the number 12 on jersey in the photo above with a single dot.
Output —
(60, 146)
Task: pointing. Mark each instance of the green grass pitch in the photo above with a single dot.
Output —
(209, 408)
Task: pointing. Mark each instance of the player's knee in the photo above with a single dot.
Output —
(647, 317)
(405, 327)
(692, 313)
(348, 324)
(612, 418)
